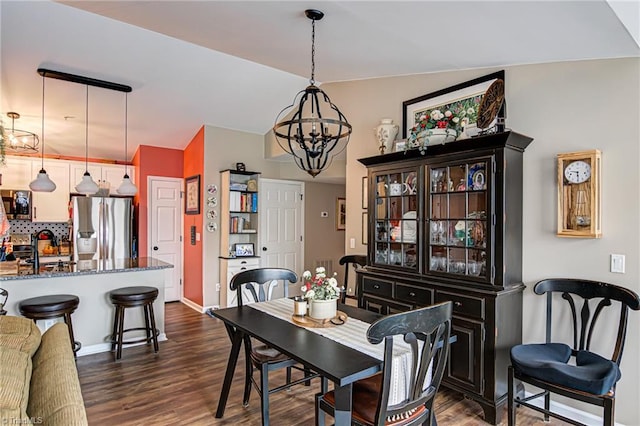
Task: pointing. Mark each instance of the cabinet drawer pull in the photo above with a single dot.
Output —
(376, 286)
(244, 262)
(243, 268)
(412, 294)
(457, 304)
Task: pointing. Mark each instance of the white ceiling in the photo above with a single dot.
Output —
(236, 64)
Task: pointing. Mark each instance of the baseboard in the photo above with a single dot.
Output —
(192, 305)
(106, 347)
(570, 412)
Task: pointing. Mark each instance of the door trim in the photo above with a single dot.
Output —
(149, 222)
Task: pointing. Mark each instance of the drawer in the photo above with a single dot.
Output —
(378, 287)
(243, 263)
(463, 305)
(417, 295)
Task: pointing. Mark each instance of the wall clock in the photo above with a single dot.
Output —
(579, 194)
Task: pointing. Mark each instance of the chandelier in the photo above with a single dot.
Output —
(20, 141)
(312, 129)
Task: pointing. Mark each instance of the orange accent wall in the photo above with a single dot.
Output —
(152, 161)
(194, 165)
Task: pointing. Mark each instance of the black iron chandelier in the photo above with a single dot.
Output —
(21, 141)
(312, 129)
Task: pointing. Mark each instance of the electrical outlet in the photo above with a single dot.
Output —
(617, 263)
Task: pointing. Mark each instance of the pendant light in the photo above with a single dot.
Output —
(312, 129)
(126, 187)
(87, 186)
(42, 183)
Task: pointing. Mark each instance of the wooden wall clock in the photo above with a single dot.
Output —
(579, 194)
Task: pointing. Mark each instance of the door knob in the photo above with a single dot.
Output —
(264, 249)
(155, 248)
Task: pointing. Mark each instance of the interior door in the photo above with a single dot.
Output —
(281, 225)
(165, 230)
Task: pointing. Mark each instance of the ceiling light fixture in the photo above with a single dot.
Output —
(42, 183)
(312, 130)
(21, 140)
(87, 186)
(126, 187)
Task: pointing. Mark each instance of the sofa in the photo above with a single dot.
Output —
(38, 376)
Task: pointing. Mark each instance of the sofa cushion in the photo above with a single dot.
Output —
(15, 371)
(55, 397)
(19, 333)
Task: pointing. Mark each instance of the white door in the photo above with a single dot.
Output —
(281, 224)
(165, 230)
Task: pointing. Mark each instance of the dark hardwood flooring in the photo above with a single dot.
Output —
(181, 384)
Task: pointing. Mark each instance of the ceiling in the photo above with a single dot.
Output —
(236, 64)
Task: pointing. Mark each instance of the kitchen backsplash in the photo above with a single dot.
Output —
(26, 227)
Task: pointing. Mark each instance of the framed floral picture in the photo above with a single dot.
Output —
(454, 108)
(341, 214)
(192, 198)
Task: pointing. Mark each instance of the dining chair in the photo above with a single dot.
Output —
(350, 261)
(574, 370)
(259, 284)
(427, 331)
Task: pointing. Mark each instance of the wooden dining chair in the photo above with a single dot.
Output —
(259, 284)
(573, 371)
(350, 261)
(427, 331)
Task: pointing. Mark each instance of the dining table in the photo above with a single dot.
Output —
(335, 361)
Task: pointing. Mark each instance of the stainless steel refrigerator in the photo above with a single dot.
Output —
(102, 228)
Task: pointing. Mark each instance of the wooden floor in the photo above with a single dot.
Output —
(181, 384)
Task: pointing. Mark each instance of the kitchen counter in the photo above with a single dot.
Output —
(87, 267)
(92, 282)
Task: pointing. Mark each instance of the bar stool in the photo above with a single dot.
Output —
(129, 297)
(52, 306)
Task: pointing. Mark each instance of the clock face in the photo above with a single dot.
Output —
(577, 172)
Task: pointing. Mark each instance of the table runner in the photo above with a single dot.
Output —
(354, 335)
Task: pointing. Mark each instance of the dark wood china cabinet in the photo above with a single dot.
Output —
(447, 225)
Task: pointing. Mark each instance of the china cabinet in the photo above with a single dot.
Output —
(447, 226)
(239, 207)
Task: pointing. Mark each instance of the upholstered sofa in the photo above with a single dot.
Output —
(38, 377)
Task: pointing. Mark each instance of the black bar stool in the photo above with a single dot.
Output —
(52, 306)
(129, 297)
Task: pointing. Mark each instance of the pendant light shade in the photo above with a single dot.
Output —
(42, 183)
(312, 129)
(87, 186)
(126, 187)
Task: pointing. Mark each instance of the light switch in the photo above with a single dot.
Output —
(617, 263)
(197, 236)
(352, 243)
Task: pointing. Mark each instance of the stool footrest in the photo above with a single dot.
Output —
(149, 339)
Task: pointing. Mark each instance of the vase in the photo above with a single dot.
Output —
(436, 136)
(323, 309)
(386, 133)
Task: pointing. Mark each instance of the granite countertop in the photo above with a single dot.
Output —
(90, 267)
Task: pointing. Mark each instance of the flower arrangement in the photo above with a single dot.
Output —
(319, 286)
(453, 118)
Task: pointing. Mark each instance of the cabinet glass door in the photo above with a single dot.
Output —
(395, 218)
(457, 218)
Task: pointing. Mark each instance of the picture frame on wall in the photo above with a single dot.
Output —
(341, 214)
(464, 95)
(192, 197)
(365, 228)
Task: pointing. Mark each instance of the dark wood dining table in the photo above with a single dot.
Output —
(335, 361)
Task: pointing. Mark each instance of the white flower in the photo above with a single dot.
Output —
(447, 113)
(470, 111)
(306, 274)
(309, 294)
(320, 270)
(333, 282)
(304, 288)
(437, 115)
(455, 120)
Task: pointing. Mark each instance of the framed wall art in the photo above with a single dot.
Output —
(365, 227)
(243, 249)
(365, 192)
(341, 214)
(192, 198)
(462, 99)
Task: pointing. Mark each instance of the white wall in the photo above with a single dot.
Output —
(565, 107)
